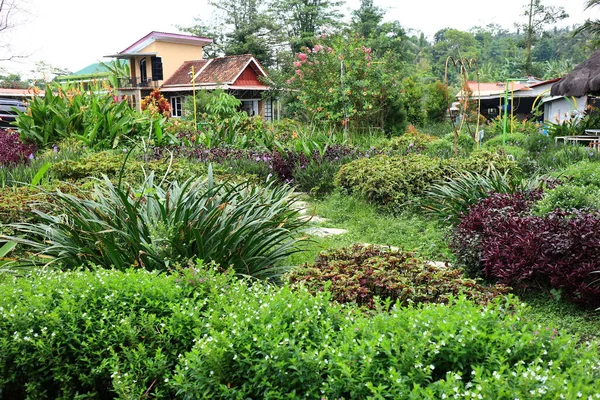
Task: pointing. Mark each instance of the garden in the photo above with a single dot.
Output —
(142, 257)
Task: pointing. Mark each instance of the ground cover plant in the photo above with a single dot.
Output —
(205, 334)
(362, 274)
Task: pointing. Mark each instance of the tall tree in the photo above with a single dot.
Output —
(591, 27)
(367, 18)
(241, 27)
(538, 16)
(301, 20)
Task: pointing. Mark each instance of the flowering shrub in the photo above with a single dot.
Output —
(504, 242)
(155, 103)
(339, 82)
(202, 334)
(13, 150)
(361, 273)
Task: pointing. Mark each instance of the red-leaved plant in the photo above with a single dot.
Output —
(501, 240)
(13, 150)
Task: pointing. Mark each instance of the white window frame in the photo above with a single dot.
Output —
(255, 109)
(176, 106)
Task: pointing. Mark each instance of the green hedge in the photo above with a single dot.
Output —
(135, 334)
(394, 181)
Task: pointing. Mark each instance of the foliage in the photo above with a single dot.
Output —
(559, 250)
(151, 226)
(340, 83)
(436, 102)
(361, 274)
(13, 150)
(512, 139)
(451, 199)
(569, 197)
(583, 173)
(412, 141)
(564, 156)
(98, 333)
(513, 126)
(134, 169)
(395, 181)
(95, 119)
(300, 346)
(132, 334)
(156, 104)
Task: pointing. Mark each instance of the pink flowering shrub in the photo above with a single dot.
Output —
(337, 81)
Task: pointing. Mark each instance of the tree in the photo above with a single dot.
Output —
(13, 81)
(538, 15)
(301, 20)
(9, 10)
(248, 30)
(366, 19)
(590, 27)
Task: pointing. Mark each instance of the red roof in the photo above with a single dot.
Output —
(238, 70)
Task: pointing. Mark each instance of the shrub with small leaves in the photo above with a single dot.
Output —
(569, 197)
(394, 181)
(359, 274)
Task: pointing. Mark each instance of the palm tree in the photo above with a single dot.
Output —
(589, 27)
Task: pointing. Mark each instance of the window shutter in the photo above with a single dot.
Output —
(157, 68)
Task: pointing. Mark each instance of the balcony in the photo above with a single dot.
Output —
(126, 83)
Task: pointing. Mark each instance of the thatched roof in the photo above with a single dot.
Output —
(584, 79)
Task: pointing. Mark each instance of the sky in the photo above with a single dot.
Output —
(72, 34)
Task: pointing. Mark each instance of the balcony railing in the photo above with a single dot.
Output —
(138, 83)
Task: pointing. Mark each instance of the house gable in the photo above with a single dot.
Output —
(248, 77)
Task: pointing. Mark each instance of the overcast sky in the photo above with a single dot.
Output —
(72, 34)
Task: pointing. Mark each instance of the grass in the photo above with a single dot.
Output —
(567, 318)
(365, 224)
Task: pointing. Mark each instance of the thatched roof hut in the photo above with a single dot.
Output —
(583, 80)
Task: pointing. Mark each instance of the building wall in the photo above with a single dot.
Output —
(172, 55)
(561, 109)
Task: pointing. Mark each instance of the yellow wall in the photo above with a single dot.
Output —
(172, 54)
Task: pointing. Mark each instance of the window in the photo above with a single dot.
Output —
(143, 72)
(268, 105)
(250, 107)
(176, 110)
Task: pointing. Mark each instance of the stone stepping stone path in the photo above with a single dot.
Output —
(303, 207)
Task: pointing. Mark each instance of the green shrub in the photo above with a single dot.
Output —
(299, 346)
(444, 147)
(109, 164)
(538, 143)
(583, 173)
(563, 156)
(360, 273)
(512, 139)
(97, 334)
(395, 181)
(569, 197)
(247, 227)
(134, 334)
(412, 141)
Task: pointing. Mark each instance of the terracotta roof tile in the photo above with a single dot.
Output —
(182, 75)
(223, 69)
